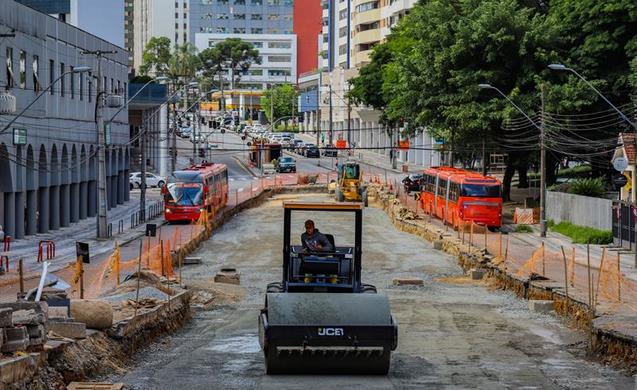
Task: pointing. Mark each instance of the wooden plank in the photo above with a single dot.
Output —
(94, 386)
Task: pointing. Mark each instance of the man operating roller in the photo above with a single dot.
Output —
(313, 240)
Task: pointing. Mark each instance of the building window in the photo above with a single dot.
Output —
(51, 76)
(81, 85)
(257, 17)
(221, 29)
(240, 16)
(185, 37)
(113, 86)
(256, 72)
(342, 32)
(257, 45)
(23, 69)
(119, 88)
(279, 45)
(62, 79)
(72, 85)
(257, 30)
(367, 6)
(10, 77)
(239, 30)
(90, 87)
(176, 15)
(279, 58)
(224, 2)
(256, 2)
(342, 15)
(273, 17)
(239, 2)
(342, 50)
(222, 16)
(278, 72)
(36, 74)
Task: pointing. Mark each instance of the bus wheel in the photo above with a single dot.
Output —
(493, 228)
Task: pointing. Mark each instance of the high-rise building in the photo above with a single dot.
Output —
(129, 30)
(307, 28)
(267, 24)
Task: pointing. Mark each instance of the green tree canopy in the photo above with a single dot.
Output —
(284, 97)
(156, 57)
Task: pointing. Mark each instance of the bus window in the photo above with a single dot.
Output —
(442, 188)
(481, 190)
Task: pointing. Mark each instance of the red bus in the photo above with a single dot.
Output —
(456, 196)
(200, 188)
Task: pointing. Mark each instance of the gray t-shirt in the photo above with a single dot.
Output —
(316, 242)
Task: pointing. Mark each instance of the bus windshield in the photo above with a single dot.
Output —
(481, 190)
(185, 194)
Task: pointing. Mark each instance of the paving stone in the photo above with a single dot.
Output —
(476, 273)
(58, 312)
(6, 317)
(540, 306)
(16, 333)
(408, 282)
(228, 277)
(76, 330)
(28, 317)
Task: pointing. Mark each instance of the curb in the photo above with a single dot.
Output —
(244, 166)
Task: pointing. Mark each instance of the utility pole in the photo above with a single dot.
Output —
(542, 169)
(349, 118)
(173, 157)
(195, 123)
(272, 107)
(142, 185)
(330, 131)
(102, 208)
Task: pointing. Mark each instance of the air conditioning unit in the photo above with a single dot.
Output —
(7, 103)
(114, 101)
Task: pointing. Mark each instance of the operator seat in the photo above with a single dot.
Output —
(330, 238)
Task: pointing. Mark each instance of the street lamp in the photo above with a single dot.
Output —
(561, 67)
(542, 157)
(79, 69)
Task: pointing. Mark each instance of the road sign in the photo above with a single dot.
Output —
(417, 196)
(19, 136)
(151, 230)
(620, 181)
(620, 164)
(81, 251)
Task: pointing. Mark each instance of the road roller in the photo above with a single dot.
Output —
(321, 319)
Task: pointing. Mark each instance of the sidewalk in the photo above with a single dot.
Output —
(65, 238)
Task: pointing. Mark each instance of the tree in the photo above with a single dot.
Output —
(184, 63)
(284, 97)
(237, 56)
(156, 57)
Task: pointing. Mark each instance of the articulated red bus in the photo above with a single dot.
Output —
(457, 196)
(200, 188)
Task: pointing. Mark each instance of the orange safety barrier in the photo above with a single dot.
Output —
(50, 249)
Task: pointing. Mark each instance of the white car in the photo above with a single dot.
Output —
(152, 180)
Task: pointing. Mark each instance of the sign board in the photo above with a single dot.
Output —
(620, 164)
(81, 251)
(107, 133)
(19, 136)
(151, 230)
(417, 196)
(620, 180)
(440, 140)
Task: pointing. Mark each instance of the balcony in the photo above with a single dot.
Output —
(367, 36)
(369, 16)
(362, 57)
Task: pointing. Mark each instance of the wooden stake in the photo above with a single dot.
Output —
(500, 244)
(599, 275)
(139, 274)
(573, 268)
(619, 279)
(565, 274)
(161, 256)
(485, 238)
(543, 260)
(471, 234)
(80, 265)
(588, 264)
(21, 271)
(117, 264)
(506, 251)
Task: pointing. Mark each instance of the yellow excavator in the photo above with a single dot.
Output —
(349, 187)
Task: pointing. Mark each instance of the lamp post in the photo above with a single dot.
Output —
(540, 127)
(561, 67)
(79, 69)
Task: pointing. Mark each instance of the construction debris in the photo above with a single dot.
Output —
(68, 328)
(408, 282)
(96, 314)
(228, 275)
(192, 260)
(94, 386)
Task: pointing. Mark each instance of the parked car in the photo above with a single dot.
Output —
(286, 164)
(330, 151)
(152, 180)
(412, 182)
(195, 139)
(297, 146)
(312, 152)
(306, 146)
(185, 132)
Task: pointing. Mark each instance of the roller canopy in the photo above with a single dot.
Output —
(329, 309)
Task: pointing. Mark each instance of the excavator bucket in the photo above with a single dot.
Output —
(327, 333)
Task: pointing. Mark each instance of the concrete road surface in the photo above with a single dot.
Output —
(454, 333)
